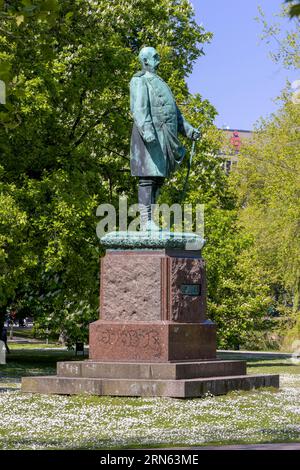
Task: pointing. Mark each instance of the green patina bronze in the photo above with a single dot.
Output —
(152, 240)
(155, 153)
(155, 148)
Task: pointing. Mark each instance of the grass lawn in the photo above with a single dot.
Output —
(31, 421)
(26, 346)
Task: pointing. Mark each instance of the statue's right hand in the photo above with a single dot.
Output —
(196, 134)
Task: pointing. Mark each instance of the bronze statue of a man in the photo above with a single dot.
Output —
(155, 149)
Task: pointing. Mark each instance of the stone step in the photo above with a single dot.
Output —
(168, 371)
(147, 388)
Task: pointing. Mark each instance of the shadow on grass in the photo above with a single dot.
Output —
(273, 364)
(249, 357)
(42, 356)
(8, 389)
(21, 363)
(279, 436)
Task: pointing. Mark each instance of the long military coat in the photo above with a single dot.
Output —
(155, 149)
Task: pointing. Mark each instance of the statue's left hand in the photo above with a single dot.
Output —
(196, 134)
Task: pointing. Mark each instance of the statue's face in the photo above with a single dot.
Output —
(153, 59)
(150, 58)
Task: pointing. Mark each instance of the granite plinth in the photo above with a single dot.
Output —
(153, 285)
(155, 341)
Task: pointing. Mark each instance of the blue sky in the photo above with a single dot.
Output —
(236, 74)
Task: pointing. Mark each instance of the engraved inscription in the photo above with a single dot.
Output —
(190, 289)
(137, 338)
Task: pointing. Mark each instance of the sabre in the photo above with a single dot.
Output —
(185, 186)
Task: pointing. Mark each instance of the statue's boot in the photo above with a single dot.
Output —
(148, 188)
(157, 186)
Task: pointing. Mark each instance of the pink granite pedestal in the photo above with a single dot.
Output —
(153, 308)
(153, 337)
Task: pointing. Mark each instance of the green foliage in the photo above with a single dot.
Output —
(267, 178)
(15, 257)
(294, 8)
(64, 141)
(238, 300)
(64, 138)
(286, 39)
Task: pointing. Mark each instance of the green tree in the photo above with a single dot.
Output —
(64, 135)
(268, 177)
(15, 259)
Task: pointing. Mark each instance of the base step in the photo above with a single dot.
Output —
(141, 370)
(189, 388)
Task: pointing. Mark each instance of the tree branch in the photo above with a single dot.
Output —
(78, 118)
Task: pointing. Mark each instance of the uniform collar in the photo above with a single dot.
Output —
(153, 75)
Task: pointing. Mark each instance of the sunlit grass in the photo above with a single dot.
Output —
(31, 421)
(26, 346)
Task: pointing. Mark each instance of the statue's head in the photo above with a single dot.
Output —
(149, 58)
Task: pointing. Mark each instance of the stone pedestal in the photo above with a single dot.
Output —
(153, 337)
(153, 308)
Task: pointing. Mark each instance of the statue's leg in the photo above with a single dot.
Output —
(148, 193)
(146, 196)
(159, 181)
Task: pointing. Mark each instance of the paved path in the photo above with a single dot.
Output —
(278, 446)
(254, 354)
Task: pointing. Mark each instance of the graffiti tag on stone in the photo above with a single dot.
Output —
(132, 338)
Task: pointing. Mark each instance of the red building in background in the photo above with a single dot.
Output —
(231, 151)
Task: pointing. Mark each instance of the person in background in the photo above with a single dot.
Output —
(3, 337)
